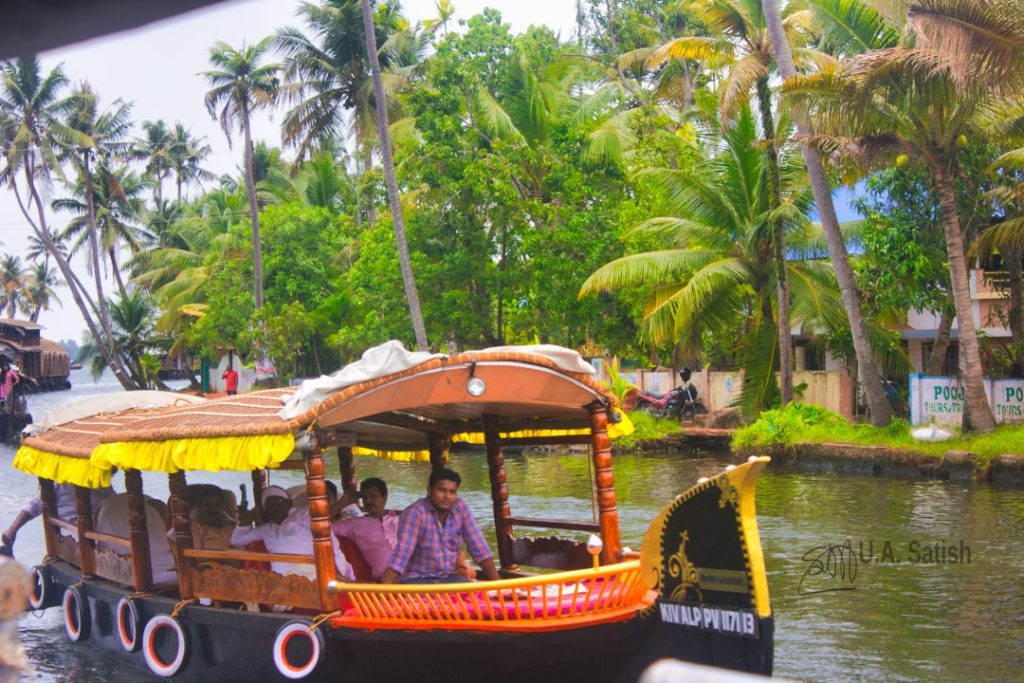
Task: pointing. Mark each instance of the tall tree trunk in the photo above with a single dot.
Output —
(937, 358)
(112, 254)
(94, 249)
(250, 182)
(1012, 255)
(371, 206)
(778, 245)
(113, 362)
(870, 375)
(411, 293)
(978, 414)
(177, 179)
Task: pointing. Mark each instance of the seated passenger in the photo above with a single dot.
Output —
(212, 524)
(430, 535)
(374, 533)
(66, 509)
(287, 531)
(112, 519)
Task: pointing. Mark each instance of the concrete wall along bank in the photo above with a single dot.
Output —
(941, 399)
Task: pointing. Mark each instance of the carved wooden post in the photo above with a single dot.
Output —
(347, 467)
(259, 485)
(608, 515)
(499, 491)
(182, 532)
(438, 450)
(138, 532)
(48, 498)
(86, 547)
(319, 515)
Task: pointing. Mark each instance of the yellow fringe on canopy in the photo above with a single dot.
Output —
(397, 456)
(236, 453)
(615, 430)
(63, 469)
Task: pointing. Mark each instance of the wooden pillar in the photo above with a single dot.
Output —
(347, 467)
(499, 491)
(259, 485)
(182, 525)
(86, 546)
(138, 532)
(319, 515)
(48, 498)
(608, 514)
(438, 446)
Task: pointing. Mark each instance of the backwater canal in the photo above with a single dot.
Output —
(909, 613)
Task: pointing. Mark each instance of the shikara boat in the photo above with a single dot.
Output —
(565, 609)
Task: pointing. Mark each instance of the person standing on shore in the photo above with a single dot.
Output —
(230, 378)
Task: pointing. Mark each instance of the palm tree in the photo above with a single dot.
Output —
(132, 316)
(155, 150)
(12, 282)
(90, 134)
(176, 270)
(187, 154)
(861, 29)
(740, 38)
(924, 98)
(241, 86)
(717, 270)
(117, 207)
(328, 77)
(398, 223)
(41, 288)
(31, 104)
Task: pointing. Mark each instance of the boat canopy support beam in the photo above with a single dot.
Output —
(319, 515)
(48, 498)
(607, 508)
(86, 546)
(142, 566)
(182, 532)
(499, 492)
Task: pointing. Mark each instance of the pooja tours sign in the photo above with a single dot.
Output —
(941, 399)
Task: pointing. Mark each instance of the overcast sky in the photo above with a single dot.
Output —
(157, 67)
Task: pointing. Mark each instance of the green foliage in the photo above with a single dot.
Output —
(785, 427)
(648, 428)
(617, 384)
(802, 423)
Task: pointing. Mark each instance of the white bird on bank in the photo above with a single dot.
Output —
(930, 433)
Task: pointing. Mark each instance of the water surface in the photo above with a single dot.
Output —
(897, 620)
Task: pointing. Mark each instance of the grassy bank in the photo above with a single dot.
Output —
(809, 424)
(648, 428)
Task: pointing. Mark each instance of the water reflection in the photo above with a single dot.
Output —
(903, 621)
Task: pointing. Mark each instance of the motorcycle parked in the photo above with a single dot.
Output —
(681, 402)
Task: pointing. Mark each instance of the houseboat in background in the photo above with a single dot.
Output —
(46, 363)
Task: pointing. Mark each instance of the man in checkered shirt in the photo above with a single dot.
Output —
(430, 535)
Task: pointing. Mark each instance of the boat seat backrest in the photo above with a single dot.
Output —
(112, 519)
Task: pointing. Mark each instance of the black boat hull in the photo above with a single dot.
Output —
(237, 646)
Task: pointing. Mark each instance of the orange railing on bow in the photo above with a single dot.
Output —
(537, 603)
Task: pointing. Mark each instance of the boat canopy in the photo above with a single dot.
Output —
(60, 446)
(391, 404)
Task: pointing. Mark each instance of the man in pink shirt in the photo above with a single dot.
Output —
(8, 378)
(376, 532)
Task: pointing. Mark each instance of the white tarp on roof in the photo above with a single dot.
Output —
(392, 356)
(109, 403)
